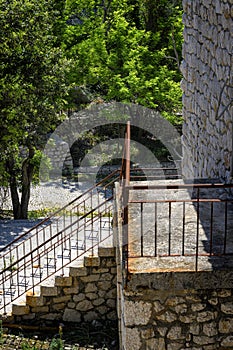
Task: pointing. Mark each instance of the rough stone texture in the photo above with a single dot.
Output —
(175, 310)
(207, 89)
(88, 294)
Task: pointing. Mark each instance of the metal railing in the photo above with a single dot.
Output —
(180, 220)
(71, 232)
(49, 247)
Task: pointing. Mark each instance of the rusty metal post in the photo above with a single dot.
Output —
(127, 155)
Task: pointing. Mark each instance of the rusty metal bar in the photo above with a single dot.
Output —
(198, 219)
(183, 230)
(155, 229)
(225, 227)
(211, 226)
(178, 186)
(142, 233)
(169, 228)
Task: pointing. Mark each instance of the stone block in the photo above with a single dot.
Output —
(72, 290)
(34, 300)
(112, 315)
(91, 288)
(62, 299)
(107, 251)
(20, 309)
(51, 316)
(78, 271)
(227, 308)
(84, 305)
(175, 333)
(91, 261)
(40, 309)
(48, 291)
(58, 307)
(90, 316)
(226, 325)
(79, 297)
(205, 316)
(104, 285)
(62, 281)
(227, 342)
(133, 340)
(137, 313)
(99, 302)
(90, 278)
(71, 315)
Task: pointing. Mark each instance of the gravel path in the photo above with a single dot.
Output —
(49, 196)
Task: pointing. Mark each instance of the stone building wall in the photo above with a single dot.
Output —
(159, 314)
(207, 88)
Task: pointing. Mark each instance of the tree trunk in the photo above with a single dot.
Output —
(20, 206)
(15, 197)
(27, 173)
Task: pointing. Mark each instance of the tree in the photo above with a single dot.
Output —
(127, 50)
(32, 90)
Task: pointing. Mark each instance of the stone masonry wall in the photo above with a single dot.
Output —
(207, 88)
(162, 318)
(87, 294)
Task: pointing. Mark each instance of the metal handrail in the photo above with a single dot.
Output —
(203, 196)
(54, 233)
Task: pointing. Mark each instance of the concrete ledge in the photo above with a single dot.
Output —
(180, 280)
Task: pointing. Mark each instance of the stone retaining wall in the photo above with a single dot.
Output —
(207, 88)
(87, 294)
(163, 318)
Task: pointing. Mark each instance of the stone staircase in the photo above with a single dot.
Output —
(42, 261)
(87, 293)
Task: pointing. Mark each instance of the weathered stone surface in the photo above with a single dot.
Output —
(205, 316)
(90, 288)
(79, 297)
(40, 309)
(228, 342)
(106, 252)
(98, 302)
(152, 344)
(91, 296)
(49, 291)
(84, 305)
(175, 333)
(50, 316)
(62, 299)
(226, 325)
(137, 313)
(91, 261)
(104, 285)
(90, 316)
(90, 278)
(227, 308)
(133, 340)
(62, 281)
(210, 329)
(18, 309)
(205, 75)
(203, 340)
(34, 300)
(72, 290)
(167, 316)
(78, 271)
(71, 315)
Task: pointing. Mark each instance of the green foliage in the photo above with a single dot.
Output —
(32, 89)
(127, 50)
